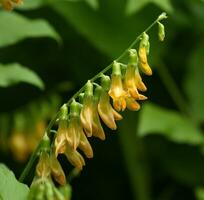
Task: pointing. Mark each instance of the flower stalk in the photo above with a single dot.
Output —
(79, 120)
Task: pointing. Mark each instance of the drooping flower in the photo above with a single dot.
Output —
(117, 92)
(74, 157)
(74, 128)
(143, 63)
(105, 110)
(129, 79)
(43, 167)
(56, 170)
(86, 115)
(75, 134)
(97, 127)
(138, 81)
(132, 104)
(60, 140)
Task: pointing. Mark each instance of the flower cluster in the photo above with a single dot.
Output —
(9, 4)
(97, 102)
(82, 119)
(48, 167)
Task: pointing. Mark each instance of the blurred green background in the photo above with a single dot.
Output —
(48, 50)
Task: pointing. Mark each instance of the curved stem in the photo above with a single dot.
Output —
(52, 122)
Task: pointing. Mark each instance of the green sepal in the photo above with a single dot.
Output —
(45, 144)
(63, 113)
(133, 57)
(88, 89)
(105, 82)
(144, 41)
(116, 69)
(97, 93)
(75, 109)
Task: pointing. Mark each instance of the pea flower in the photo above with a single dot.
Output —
(117, 92)
(144, 43)
(105, 110)
(86, 115)
(57, 171)
(60, 140)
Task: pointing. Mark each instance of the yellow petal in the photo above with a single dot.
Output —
(139, 83)
(116, 115)
(43, 166)
(85, 145)
(97, 127)
(119, 104)
(57, 171)
(105, 111)
(75, 158)
(143, 61)
(86, 115)
(132, 104)
(73, 132)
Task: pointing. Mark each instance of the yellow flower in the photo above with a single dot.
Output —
(143, 61)
(43, 167)
(86, 114)
(143, 55)
(132, 104)
(117, 92)
(75, 134)
(57, 171)
(106, 112)
(60, 140)
(138, 81)
(74, 157)
(129, 80)
(85, 146)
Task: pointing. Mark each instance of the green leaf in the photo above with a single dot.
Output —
(15, 27)
(10, 188)
(31, 4)
(93, 3)
(194, 82)
(14, 73)
(199, 193)
(170, 124)
(136, 5)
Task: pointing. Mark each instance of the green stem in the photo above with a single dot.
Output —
(52, 122)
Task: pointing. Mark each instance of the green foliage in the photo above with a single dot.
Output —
(193, 82)
(93, 3)
(170, 124)
(167, 141)
(14, 73)
(136, 5)
(20, 28)
(10, 188)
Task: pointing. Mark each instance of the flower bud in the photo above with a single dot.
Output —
(161, 31)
